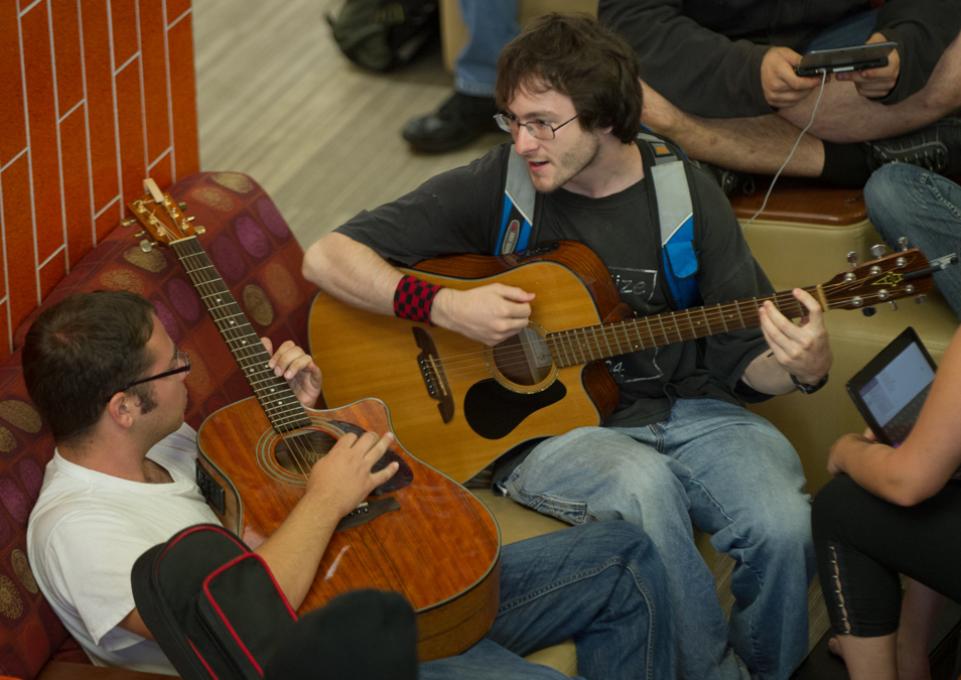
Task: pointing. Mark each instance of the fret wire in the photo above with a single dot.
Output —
(600, 350)
(263, 387)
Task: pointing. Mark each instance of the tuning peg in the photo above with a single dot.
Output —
(869, 311)
(128, 222)
(182, 205)
(140, 234)
(147, 245)
(879, 249)
(903, 242)
(200, 229)
(852, 258)
(191, 218)
(894, 304)
(920, 299)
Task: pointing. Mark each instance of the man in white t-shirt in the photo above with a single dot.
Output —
(108, 380)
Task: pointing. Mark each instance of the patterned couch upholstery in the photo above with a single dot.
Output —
(259, 259)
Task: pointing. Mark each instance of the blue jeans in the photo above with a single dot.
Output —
(736, 477)
(491, 24)
(924, 207)
(601, 584)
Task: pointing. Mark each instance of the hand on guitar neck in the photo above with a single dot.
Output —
(291, 363)
(799, 349)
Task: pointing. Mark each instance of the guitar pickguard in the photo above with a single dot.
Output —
(493, 411)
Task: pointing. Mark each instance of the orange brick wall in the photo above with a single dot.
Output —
(94, 96)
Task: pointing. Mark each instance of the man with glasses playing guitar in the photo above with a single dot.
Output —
(109, 381)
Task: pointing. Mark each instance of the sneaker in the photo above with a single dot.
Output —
(458, 122)
(936, 147)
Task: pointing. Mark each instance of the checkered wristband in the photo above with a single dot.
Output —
(413, 299)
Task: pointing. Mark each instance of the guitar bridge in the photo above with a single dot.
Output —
(432, 371)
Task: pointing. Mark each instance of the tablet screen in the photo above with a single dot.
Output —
(891, 389)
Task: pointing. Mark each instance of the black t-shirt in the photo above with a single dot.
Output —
(459, 211)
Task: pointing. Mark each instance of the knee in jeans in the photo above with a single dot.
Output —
(785, 528)
(883, 192)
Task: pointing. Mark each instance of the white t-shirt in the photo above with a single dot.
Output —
(86, 531)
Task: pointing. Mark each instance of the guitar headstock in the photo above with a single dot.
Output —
(161, 217)
(902, 274)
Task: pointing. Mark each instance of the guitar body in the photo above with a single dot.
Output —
(448, 399)
(435, 543)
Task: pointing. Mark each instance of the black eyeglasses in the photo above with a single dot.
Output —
(538, 129)
(183, 365)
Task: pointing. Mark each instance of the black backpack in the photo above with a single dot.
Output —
(216, 611)
(383, 34)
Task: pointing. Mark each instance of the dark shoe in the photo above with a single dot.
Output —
(458, 122)
(936, 147)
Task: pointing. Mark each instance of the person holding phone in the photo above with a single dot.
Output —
(889, 512)
(720, 80)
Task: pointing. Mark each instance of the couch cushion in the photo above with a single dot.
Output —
(259, 259)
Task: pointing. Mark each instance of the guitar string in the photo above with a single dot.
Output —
(253, 358)
(208, 288)
(680, 324)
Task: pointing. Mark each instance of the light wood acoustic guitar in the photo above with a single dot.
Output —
(461, 404)
(420, 534)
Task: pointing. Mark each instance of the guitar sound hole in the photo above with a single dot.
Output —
(298, 453)
(524, 359)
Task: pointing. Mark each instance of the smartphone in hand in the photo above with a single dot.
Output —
(854, 58)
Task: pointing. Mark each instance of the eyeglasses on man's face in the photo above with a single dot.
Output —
(182, 361)
(538, 129)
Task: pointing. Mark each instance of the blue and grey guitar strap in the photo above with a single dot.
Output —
(672, 195)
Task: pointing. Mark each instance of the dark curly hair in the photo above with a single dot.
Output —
(575, 56)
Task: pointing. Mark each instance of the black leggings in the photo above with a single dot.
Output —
(864, 542)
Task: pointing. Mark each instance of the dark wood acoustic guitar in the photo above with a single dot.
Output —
(420, 534)
(461, 404)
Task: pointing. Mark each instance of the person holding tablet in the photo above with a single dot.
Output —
(889, 512)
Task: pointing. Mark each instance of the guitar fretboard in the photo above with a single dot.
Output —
(590, 343)
(280, 404)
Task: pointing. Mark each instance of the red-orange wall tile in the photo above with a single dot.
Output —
(123, 16)
(66, 47)
(184, 86)
(6, 340)
(76, 185)
(14, 137)
(162, 171)
(175, 8)
(44, 154)
(130, 121)
(21, 272)
(108, 220)
(52, 273)
(152, 52)
(103, 143)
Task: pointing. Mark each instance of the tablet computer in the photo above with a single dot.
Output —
(854, 58)
(890, 390)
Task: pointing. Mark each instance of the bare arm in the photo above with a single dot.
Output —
(352, 272)
(355, 274)
(924, 463)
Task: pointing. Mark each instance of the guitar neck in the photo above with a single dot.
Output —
(590, 343)
(276, 397)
